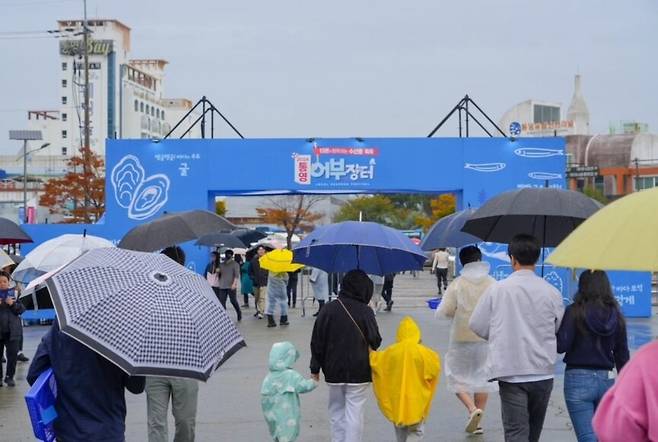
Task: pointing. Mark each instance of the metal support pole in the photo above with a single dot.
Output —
(466, 99)
(203, 118)
(25, 181)
(460, 122)
(86, 128)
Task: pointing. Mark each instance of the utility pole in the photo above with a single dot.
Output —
(85, 154)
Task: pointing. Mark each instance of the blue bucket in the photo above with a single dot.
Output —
(433, 303)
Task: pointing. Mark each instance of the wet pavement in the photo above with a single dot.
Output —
(229, 403)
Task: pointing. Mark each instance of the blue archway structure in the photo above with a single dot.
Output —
(146, 178)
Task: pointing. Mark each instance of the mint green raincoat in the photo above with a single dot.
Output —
(280, 393)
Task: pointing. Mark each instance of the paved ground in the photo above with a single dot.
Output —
(229, 406)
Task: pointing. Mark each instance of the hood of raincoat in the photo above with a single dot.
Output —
(408, 331)
(357, 285)
(475, 272)
(405, 376)
(283, 356)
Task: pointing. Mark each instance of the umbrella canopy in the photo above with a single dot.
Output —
(621, 236)
(447, 232)
(174, 228)
(220, 240)
(248, 236)
(11, 233)
(371, 247)
(55, 253)
(5, 260)
(547, 214)
(144, 312)
(17, 258)
(279, 260)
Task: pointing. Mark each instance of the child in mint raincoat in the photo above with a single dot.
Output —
(280, 393)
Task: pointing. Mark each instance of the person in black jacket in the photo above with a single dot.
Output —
(11, 328)
(593, 336)
(344, 332)
(91, 403)
(259, 277)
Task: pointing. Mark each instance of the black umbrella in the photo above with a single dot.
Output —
(11, 233)
(248, 236)
(220, 240)
(549, 215)
(252, 251)
(447, 232)
(174, 228)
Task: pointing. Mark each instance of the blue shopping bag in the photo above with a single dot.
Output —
(40, 400)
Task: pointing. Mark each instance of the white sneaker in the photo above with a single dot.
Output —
(474, 421)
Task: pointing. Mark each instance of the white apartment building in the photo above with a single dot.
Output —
(126, 96)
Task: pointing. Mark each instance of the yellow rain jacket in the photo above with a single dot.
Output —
(405, 376)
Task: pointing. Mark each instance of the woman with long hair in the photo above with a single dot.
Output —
(213, 272)
(593, 337)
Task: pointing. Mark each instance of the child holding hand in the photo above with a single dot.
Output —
(280, 393)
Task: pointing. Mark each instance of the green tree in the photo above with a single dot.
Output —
(596, 194)
(380, 209)
(442, 205)
(220, 207)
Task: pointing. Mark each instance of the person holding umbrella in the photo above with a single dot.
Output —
(319, 280)
(519, 317)
(229, 274)
(279, 264)
(343, 334)
(246, 284)
(184, 394)
(11, 327)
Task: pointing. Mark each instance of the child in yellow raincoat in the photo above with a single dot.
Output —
(404, 377)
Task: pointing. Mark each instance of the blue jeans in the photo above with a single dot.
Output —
(583, 389)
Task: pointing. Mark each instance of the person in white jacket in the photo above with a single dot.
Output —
(467, 367)
(520, 317)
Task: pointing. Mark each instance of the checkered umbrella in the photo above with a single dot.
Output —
(144, 312)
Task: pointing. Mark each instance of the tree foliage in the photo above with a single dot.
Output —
(291, 213)
(67, 195)
(442, 205)
(220, 207)
(596, 194)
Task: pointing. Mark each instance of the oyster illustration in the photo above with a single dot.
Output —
(554, 279)
(126, 177)
(149, 197)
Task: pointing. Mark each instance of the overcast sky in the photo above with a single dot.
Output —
(345, 68)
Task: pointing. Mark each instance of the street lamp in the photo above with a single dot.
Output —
(25, 136)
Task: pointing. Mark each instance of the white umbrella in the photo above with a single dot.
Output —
(5, 260)
(55, 253)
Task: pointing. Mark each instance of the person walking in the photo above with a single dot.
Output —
(183, 394)
(259, 277)
(212, 272)
(387, 291)
(467, 365)
(319, 280)
(519, 317)
(593, 337)
(229, 275)
(378, 287)
(405, 376)
(276, 295)
(627, 411)
(90, 402)
(291, 289)
(280, 392)
(343, 334)
(440, 268)
(11, 328)
(246, 284)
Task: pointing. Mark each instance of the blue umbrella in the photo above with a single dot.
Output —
(446, 232)
(368, 246)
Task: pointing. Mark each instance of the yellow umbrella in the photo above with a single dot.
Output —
(279, 261)
(621, 236)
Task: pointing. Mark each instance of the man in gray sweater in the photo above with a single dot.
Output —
(520, 316)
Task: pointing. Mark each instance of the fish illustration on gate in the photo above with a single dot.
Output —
(537, 152)
(485, 167)
(545, 176)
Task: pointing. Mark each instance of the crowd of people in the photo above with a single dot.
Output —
(504, 337)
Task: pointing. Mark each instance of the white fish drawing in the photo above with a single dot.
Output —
(536, 152)
(545, 176)
(485, 167)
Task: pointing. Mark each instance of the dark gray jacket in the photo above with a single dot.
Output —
(10, 320)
